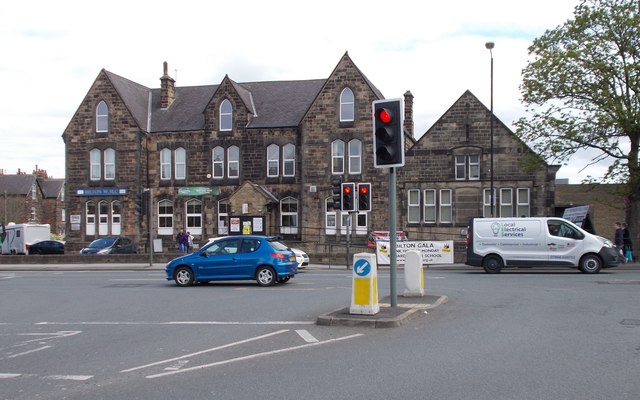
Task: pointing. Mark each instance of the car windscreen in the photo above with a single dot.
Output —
(101, 243)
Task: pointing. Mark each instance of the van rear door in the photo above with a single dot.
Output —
(565, 243)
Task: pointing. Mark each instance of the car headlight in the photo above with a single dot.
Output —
(104, 251)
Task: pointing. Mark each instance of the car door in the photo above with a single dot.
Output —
(565, 243)
(220, 260)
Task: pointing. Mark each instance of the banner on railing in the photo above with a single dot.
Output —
(433, 252)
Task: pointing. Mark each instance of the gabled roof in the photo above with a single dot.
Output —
(134, 95)
(51, 188)
(16, 184)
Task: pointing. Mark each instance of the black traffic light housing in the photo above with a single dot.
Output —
(388, 135)
(336, 192)
(364, 197)
(348, 196)
(141, 202)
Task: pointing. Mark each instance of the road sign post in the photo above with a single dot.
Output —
(364, 291)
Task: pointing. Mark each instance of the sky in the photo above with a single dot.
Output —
(52, 51)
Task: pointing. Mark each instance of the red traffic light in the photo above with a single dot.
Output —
(347, 189)
(363, 189)
(385, 115)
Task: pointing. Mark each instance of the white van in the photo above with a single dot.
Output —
(496, 243)
(18, 237)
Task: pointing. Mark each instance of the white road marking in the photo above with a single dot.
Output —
(207, 350)
(69, 377)
(306, 336)
(178, 323)
(252, 356)
(29, 352)
(53, 335)
(6, 376)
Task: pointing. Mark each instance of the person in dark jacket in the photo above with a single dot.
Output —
(626, 241)
(617, 241)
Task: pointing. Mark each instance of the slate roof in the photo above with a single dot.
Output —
(51, 188)
(16, 184)
(274, 104)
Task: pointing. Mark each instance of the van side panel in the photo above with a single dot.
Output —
(520, 241)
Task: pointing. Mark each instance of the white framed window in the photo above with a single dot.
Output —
(330, 217)
(347, 102)
(194, 217)
(233, 163)
(430, 206)
(223, 217)
(289, 216)
(346, 225)
(446, 206)
(116, 218)
(90, 218)
(337, 157)
(165, 164)
(461, 167)
(165, 217)
(109, 164)
(486, 202)
(102, 117)
(95, 157)
(413, 206)
(34, 193)
(226, 115)
(523, 201)
(103, 218)
(218, 162)
(273, 160)
(181, 163)
(506, 202)
(355, 156)
(467, 167)
(474, 167)
(289, 160)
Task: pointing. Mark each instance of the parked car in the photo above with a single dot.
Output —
(111, 245)
(47, 247)
(301, 257)
(265, 259)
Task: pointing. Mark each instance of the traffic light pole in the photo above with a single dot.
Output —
(149, 225)
(393, 237)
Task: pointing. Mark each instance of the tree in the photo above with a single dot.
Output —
(581, 89)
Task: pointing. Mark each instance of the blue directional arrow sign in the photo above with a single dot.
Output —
(362, 267)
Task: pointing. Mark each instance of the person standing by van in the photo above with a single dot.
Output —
(618, 241)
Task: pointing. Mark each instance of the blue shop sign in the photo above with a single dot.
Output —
(112, 191)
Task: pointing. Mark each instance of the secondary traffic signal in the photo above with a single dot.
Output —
(336, 192)
(348, 196)
(388, 136)
(141, 202)
(364, 197)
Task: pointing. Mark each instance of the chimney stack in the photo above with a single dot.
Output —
(167, 88)
(408, 113)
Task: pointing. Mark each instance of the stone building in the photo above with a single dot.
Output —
(258, 157)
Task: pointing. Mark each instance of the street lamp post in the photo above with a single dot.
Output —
(490, 46)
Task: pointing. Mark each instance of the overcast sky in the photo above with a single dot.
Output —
(52, 51)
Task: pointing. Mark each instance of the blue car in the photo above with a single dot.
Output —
(265, 259)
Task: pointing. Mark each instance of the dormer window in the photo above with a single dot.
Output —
(226, 115)
(346, 105)
(102, 117)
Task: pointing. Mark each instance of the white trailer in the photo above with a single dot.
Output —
(18, 237)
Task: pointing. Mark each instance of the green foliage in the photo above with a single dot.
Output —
(582, 87)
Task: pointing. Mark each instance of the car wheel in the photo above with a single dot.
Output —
(265, 276)
(590, 264)
(183, 276)
(34, 252)
(284, 280)
(492, 264)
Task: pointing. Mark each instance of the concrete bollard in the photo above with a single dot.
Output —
(413, 274)
(364, 292)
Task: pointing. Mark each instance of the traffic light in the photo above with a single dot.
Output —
(348, 196)
(336, 192)
(141, 202)
(388, 136)
(364, 197)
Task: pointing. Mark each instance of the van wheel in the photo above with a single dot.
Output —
(590, 264)
(492, 264)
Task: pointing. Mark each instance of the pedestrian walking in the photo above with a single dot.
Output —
(617, 241)
(184, 243)
(626, 242)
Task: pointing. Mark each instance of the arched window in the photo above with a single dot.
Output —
(90, 218)
(103, 218)
(226, 115)
(116, 219)
(355, 156)
(102, 117)
(218, 162)
(346, 105)
(330, 217)
(289, 160)
(233, 165)
(337, 157)
(165, 164)
(181, 163)
(289, 216)
(95, 156)
(273, 160)
(109, 164)
(194, 217)
(165, 217)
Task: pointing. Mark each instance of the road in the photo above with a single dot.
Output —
(522, 334)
